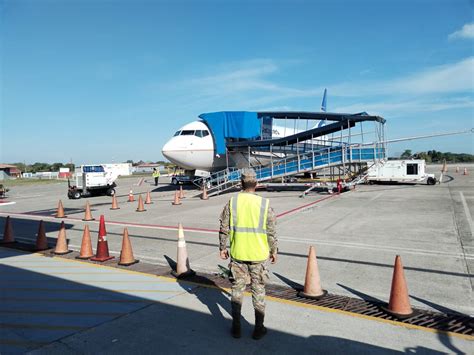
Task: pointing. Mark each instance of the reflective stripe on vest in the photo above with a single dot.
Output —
(248, 227)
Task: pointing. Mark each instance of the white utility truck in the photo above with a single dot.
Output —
(92, 180)
(402, 171)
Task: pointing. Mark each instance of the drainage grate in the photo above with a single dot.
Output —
(455, 323)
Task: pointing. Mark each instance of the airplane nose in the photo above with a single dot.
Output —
(173, 153)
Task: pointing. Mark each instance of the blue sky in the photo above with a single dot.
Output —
(102, 81)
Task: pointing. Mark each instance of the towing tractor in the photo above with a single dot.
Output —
(93, 180)
(400, 171)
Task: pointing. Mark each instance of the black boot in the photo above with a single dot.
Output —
(260, 330)
(236, 310)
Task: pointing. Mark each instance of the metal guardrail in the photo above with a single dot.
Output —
(304, 162)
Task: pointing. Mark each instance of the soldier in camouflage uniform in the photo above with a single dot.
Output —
(249, 221)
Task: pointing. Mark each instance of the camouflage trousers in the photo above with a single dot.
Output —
(255, 274)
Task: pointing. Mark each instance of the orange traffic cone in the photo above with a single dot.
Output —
(126, 255)
(88, 214)
(148, 199)
(41, 240)
(399, 303)
(465, 172)
(131, 198)
(61, 243)
(114, 203)
(102, 253)
(86, 245)
(444, 169)
(8, 232)
(60, 212)
(312, 283)
(457, 169)
(176, 198)
(182, 268)
(140, 208)
(181, 192)
(204, 192)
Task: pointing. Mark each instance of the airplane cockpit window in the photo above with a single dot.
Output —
(187, 133)
(177, 133)
(201, 133)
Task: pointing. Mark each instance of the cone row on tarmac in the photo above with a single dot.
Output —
(399, 303)
(86, 245)
(182, 268)
(41, 240)
(61, 243)
(140, 207)
(8, 236)
(102, 251)
(148, 199)
(176, 198)
(312, 285)
(114, 203)
(60, 212)
(88, 214)
(126, 254)
(131, 198)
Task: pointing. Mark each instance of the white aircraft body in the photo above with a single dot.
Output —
(192, 146)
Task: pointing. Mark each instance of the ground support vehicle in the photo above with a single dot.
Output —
(92, 180)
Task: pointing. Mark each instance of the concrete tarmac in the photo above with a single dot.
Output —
(57, 306)
(357, 234)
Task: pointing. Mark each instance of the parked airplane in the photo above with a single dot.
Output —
(193, 148)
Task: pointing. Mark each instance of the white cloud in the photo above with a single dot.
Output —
(250, 85)
(449, 78)
(396, 108)
(467, 31)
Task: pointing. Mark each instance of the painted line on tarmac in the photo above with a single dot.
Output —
(375, 247)
(124, 224)
(297, 209)
(467, 212)
(279, 300)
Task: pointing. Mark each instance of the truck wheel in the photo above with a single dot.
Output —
(76, 195)
(110, 192)
(431, 181)
(174, 181)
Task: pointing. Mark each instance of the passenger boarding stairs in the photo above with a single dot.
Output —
(307, 161)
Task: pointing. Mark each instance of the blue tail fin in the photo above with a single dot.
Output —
(323, 108)
(323, 104)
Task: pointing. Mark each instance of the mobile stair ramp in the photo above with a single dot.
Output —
(307, 161)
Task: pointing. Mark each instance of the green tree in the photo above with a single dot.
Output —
(406, 154)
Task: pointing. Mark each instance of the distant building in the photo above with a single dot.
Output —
(8, 171)
(147, 168)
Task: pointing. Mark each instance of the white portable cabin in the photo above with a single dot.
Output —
(405, 171)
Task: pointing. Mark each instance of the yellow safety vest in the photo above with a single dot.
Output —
(156, 174)
(248, 227)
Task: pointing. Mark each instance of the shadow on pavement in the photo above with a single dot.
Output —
(38, 309)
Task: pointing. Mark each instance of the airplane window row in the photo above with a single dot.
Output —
(197, 133)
